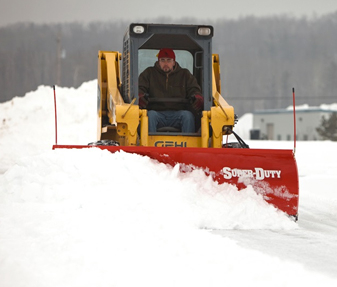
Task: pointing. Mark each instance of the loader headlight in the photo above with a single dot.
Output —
(204, 31)
(227, 130)
(138, 29)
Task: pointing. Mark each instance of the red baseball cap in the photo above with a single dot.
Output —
(166, 53)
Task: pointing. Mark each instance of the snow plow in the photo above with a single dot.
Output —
(123, 125)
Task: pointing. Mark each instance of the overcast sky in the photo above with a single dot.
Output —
(54, 11)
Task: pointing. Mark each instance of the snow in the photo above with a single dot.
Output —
(91, 218)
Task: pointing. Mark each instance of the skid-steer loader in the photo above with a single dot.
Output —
(122, 125)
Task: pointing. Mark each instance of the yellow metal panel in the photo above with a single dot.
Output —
(144, 128)
(205, 129)
(127, 117)
(216, 74)
(174, 141)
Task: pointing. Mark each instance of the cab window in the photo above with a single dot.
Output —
(147, 58)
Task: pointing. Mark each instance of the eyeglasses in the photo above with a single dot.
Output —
(167, 60)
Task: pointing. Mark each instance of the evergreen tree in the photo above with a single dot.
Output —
(328, 128)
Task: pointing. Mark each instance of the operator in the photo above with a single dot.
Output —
(168, 91)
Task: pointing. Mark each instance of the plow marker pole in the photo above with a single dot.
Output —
(294, 120)
(55, 115)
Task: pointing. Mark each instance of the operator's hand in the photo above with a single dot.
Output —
(143, 100)
(197, 103)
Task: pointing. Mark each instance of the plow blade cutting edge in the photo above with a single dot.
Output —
(271, 172)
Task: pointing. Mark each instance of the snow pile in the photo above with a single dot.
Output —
(91, 218)
(27, 125)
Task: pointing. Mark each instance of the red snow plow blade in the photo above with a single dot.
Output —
(272, 173)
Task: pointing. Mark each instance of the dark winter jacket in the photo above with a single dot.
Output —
(167, 91)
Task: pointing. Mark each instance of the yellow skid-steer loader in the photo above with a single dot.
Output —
(122, 125)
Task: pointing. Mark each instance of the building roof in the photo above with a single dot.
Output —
(298, 110)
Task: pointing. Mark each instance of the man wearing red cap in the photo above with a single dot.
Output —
(169, 92)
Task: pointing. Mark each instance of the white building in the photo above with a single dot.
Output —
(279, 124)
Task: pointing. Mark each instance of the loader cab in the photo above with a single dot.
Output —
(192, 45)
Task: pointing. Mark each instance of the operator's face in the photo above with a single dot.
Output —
(166, 64)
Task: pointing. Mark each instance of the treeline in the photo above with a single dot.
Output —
(262, 59)
(63, 54)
